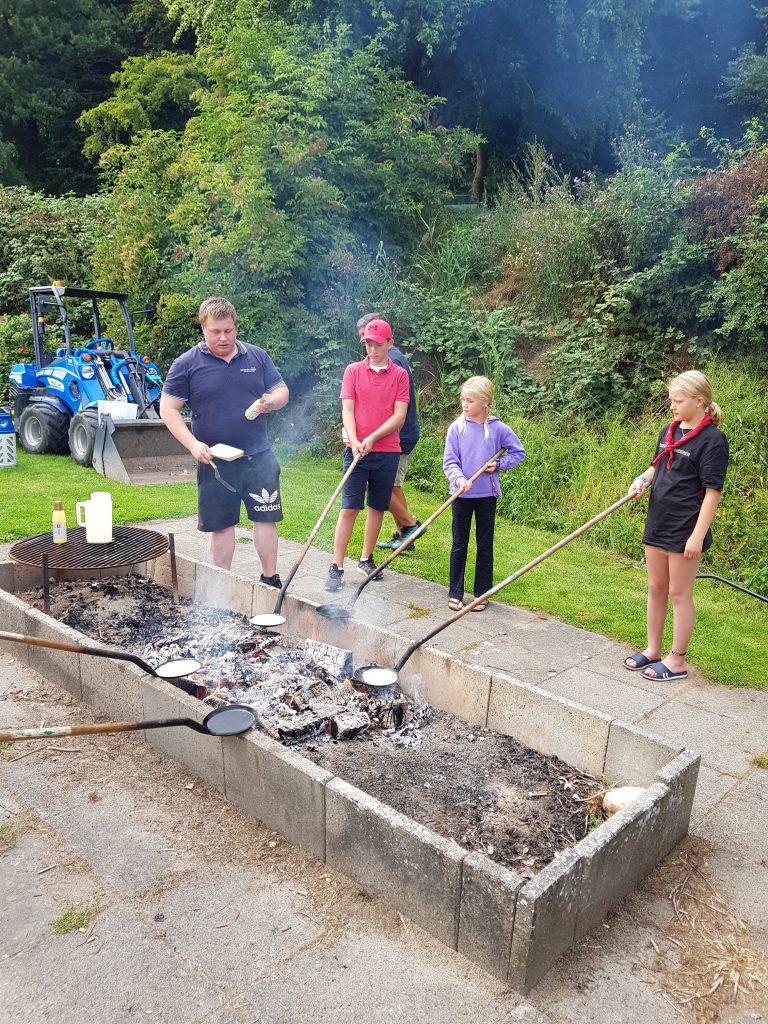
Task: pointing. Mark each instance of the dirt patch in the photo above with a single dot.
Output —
(483, 790)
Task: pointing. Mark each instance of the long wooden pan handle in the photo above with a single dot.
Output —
(61, 645)
(51, 732)
(515, 575)
(423, 526)
(313, 534)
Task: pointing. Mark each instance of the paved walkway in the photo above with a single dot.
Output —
(365, 965)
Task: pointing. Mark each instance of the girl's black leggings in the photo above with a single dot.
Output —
(484, 511)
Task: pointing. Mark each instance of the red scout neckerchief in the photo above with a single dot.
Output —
(670, 445)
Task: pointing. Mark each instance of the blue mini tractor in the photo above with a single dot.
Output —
(92, 397)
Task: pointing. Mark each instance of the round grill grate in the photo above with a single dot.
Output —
(130, 544)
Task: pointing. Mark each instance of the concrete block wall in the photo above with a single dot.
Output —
(489, 894)
(513, 928)
(279, 787)
(548, 723)
(387, 853)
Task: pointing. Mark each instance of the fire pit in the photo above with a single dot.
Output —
(512, 925)
(478, 788)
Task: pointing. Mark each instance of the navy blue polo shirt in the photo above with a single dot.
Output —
(409, 432)
(218, 393)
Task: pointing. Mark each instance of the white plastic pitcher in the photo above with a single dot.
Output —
(96, 517)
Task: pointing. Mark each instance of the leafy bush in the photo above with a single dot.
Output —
(15, 347)
(540, 233)
(609, 355)
(171, 331)
(42, 239)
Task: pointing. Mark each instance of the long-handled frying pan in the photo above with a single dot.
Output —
(336, 610)
(736, 586)
(169, 670)
(375, 675)
(230, 720)
(275, 618)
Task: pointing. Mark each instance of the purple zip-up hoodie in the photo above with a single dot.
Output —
(467, 450)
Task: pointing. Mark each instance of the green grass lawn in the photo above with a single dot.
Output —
(581, 584)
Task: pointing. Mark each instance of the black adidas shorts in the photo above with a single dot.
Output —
(256, 479)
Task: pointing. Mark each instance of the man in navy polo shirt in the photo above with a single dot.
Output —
(219, 379)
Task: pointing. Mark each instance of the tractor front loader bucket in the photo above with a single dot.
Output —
(140, 452)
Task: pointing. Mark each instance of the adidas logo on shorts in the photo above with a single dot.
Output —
(265, 502)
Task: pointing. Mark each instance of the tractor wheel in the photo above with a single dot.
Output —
(82, 434)
(43, 430)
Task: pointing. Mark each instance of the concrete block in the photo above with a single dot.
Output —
(416, 871)
(13, 619)
(279, 787)
(548, 723)
(488, 898)
(79, 575)
(619, 854)
(160, 571)
(680, 776)
(112, 688)
(449, 684)
(6, 577)
(302, 618)
(63, 667)
(634, 756)
(202, 755)
(25, 577)
(371, 645)
(545, 920)
(223, 589)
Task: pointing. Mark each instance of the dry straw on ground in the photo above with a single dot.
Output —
(711, 965)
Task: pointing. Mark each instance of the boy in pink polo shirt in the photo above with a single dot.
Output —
(374, 401)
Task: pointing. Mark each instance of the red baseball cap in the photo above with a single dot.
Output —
(377, 331)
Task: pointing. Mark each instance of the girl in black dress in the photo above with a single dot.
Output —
(687, 474)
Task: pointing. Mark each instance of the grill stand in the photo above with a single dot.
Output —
(46, 585)
(174, 577)
(130, 545)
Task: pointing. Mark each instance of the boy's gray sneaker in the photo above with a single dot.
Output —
(335, 580)
(367, 567)
(272, 581)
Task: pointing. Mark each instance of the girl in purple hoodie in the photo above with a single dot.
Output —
(471, 441)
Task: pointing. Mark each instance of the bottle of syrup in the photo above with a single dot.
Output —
(59, 523)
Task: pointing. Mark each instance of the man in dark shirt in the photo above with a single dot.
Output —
(219, 379)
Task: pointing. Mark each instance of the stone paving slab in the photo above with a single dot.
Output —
(580, 684)
(711, 787)
(723, 744)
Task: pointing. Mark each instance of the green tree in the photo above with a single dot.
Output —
(151, 92)
(746, 83)
(56, 59)
(304, 152)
